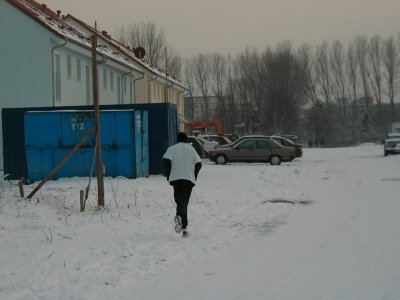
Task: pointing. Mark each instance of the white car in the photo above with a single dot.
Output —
(220, 139)
(392, 143)
(208, 145)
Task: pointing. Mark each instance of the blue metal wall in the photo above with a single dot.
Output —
(162, 130)
(49, 136)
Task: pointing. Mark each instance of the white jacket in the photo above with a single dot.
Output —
(183, 159)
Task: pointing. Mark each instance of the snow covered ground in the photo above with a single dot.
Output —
(324, 227)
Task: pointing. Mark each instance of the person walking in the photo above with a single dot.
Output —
(182, 165)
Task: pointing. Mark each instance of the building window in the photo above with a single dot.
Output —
(58, 77)
(78, 69)
(125, 85)
(105, 79)
(111, 81)
(69, 67)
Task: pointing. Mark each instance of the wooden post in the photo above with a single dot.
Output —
(82, 196)
(21, 188)
(99, 163)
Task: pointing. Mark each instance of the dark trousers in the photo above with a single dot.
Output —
(182, 192)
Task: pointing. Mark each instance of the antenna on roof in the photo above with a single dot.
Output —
(140, 52)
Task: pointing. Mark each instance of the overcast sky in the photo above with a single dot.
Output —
(229, 26)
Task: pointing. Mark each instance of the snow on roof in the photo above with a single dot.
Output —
(57, 24)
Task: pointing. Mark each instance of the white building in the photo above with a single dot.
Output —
(46, 60)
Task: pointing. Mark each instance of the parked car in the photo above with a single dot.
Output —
(233, 137)
(289, 143)
(243, 138)
(392, 143)
(253, 149)
(220, 139)
(208, 145)
(197, 145)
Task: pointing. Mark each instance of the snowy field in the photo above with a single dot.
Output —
(324, 227)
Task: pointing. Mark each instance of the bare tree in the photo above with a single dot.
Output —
(189, 81)
(286, 87)
(323, 71)
(218, 73)
(201, 71)
(145, 35)
(172, 63)
(189, 75)
(375, 50)
(307, 61)
(391, 71)
(158, 53)
(230, 115)
(219, 78)
(353, 86)
(319, 124)
(339, 91)
(247, 72)
(338, 69)
(244, 75)
(361, 47)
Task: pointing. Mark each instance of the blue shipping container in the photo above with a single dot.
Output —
(162, 130)
(50, 135)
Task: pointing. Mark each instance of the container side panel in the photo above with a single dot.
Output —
(138, 143)
(40, 162)
(42, 129)
(108, 158)
(107, 129)
(123, 162)
(123, 128)
(145, 144)
(74, 126)
(79, 164)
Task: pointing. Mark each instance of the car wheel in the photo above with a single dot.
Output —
(275, 160)
(221, 159)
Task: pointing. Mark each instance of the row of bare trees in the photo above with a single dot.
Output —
(326, 93)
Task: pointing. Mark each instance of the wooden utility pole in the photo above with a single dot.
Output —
(99, 163)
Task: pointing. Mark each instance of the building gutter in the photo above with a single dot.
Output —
(182, 117)
(122, 84)
(166, 88)
(134, 85)
(52, 68)
(148, 87)
(134, 81)
(103, 61)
